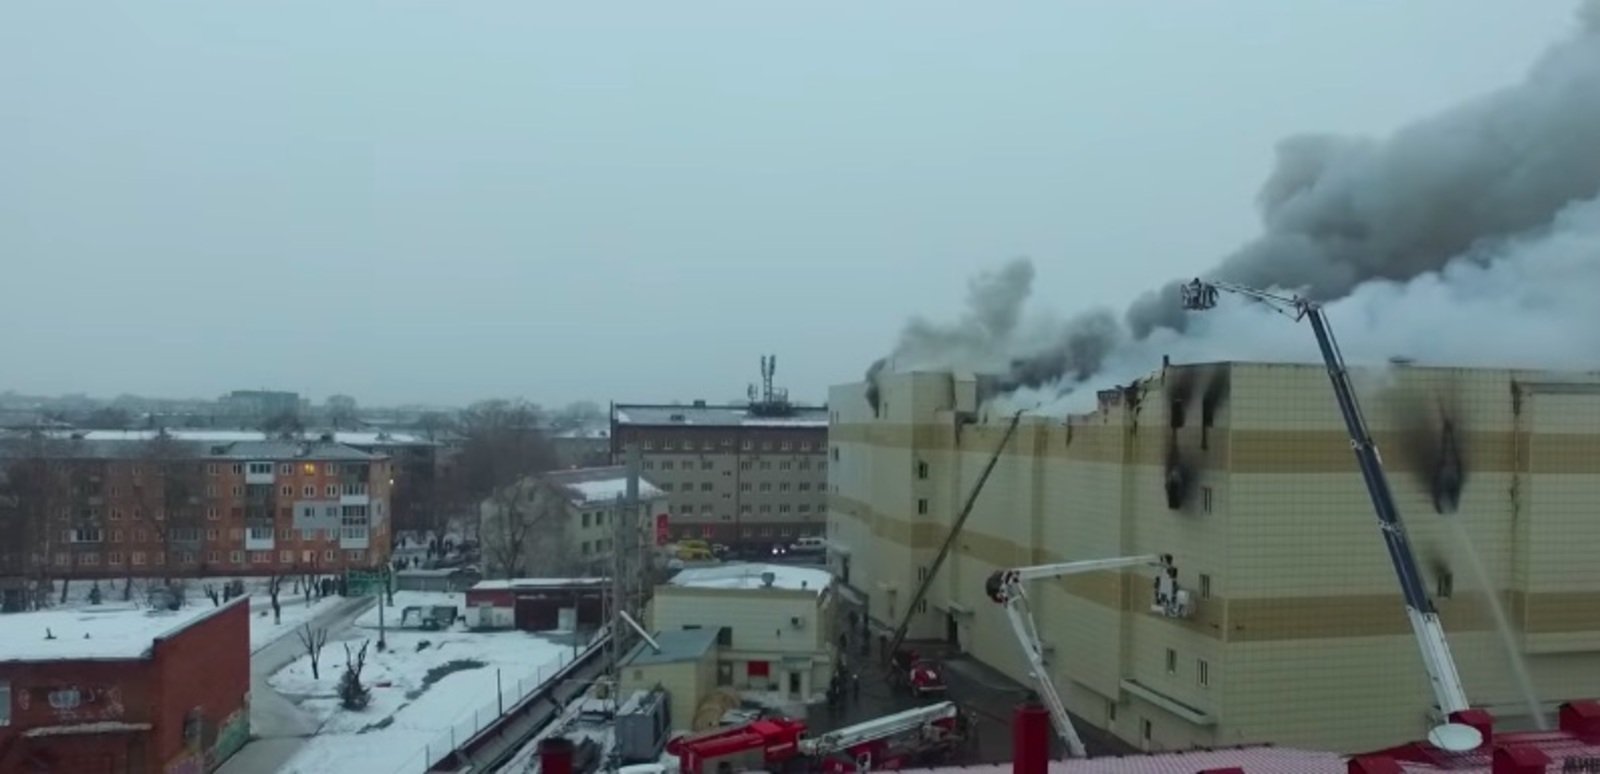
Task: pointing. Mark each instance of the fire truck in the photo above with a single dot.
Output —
(920, 676)
(916, 736)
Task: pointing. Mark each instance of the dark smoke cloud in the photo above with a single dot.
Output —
(1466, 187)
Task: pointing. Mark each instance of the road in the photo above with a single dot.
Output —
(278, 728)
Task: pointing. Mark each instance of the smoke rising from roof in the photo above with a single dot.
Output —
(1471, 236)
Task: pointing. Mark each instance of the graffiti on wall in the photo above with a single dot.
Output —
(232, 734)
(74, 703)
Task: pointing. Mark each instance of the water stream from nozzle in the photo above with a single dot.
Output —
(1502, 624)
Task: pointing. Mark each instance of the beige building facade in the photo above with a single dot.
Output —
(565, 521)
(776, 624)
(1244, 473)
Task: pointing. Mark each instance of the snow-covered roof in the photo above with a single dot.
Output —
(597, 485)
(1255, 760)
(749, 576)
(719, 416)
(101, 633)
(599, 433)
(232, 436)
(535, 583)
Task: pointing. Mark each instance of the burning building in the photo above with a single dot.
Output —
(1296, 634)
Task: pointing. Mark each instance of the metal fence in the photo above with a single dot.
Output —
(510, 696)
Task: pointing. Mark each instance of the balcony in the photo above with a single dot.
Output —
(258, 473)
(354, 537)
(258, 539)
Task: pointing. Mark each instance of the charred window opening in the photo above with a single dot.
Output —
(1176, 415)
(1177, 481)
(1446, 585)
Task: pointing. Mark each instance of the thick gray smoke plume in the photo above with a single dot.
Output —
(1494, 202)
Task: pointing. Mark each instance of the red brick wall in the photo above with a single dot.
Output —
(106, 690)
(206, 667)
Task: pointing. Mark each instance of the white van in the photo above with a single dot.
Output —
(809, 545)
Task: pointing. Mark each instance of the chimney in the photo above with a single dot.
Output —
(555, 755)
(1581, 719)
(1030, 738)
(1519, 760)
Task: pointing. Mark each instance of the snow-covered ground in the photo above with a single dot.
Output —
(430, 692)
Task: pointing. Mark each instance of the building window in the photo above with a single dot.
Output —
(1172, 661)
(766, 508)
(138, 513)
(1144, 730)
(686, 509)
(1446, 585)
(784, 508)
(114, 557)
(285, 557)
(706, 464)
(766, 465)
(665, 486)
(211, 514)
(744, 487)
(238, 491)
(922, 470)
(667, 464)
(746, 465)
(213, 557)
(137, 557)
(211, 469)
(308, 491)
(86, 535)
(285, 469)
(1205, 586)
(328, 555)
(648, 465)
(116, 536)
(804, 507)
(237, 557)
(599, 518)
(211, 534)
(356, 556)
(1203, 672)
(766, 486)
(804, 486)
(584, 548)
(705, 486)
(922, 505)
(585, 518)
(1205, 499)
(744, 508)
(835, 454)
(287, 491)
(116, 514)
(785, 465)
(211, 490)
(331, 490)
(138, 536)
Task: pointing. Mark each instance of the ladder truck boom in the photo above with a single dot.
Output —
(950, 539)
(877, 728)
(1006, 588)
(1436, 659)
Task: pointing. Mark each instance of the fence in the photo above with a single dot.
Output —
(510, 696)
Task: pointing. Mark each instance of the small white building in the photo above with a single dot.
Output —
(565, 521)
(776, 623)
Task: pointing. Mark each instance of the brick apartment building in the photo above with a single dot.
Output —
(747, 476)
(79, 507)
(126, 690)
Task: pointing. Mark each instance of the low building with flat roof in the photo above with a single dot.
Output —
(116, 688)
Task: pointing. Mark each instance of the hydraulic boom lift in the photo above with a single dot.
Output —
(1006, 588)
(950, 540)
(1436, 658)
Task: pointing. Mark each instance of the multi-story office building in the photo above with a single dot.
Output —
(77, 506)
(749, 475)
(1245, 475)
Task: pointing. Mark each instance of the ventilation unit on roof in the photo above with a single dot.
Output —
(676, 418)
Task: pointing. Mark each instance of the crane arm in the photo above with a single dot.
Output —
(950, 539)
(877, 728)
(1006, 588)
(1436, 658)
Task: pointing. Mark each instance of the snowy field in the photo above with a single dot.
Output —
(430, 691)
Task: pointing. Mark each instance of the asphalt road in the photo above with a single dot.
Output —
(278, 729)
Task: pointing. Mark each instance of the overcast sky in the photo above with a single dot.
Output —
(441, 201)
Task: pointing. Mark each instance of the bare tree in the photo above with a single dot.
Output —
(352, 694)
(34, 496)
(169, 484)
(313, 640)
(502, 447)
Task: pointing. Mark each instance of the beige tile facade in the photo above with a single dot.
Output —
(1299, 636)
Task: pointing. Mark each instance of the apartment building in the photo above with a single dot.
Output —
(1243, 473)
(743, 475)
(158, 505)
